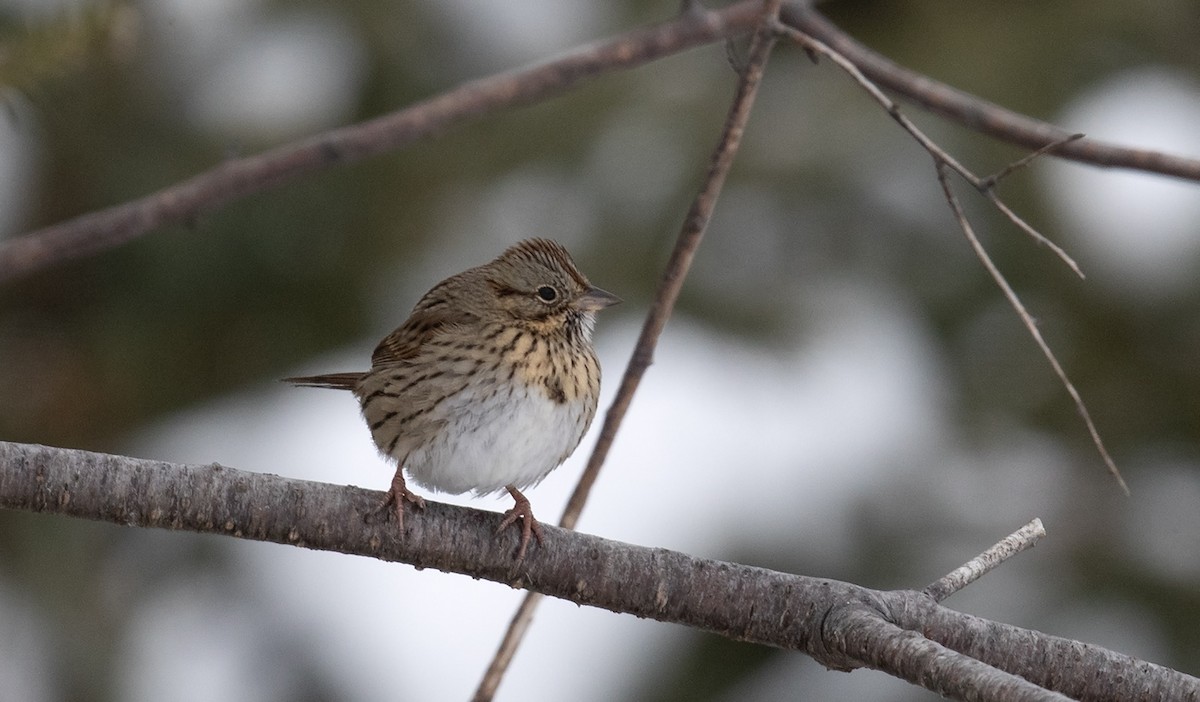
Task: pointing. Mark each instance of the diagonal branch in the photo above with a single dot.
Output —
(840, 624)
(940, 669)
(944, 163)
(986, 186)
(979, 114)
(1024, 538)
(237, 178)
(694, 226)
(1030, 325)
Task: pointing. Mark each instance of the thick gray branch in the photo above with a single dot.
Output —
(840, 624)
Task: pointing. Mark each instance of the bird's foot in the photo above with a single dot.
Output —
(393, 503)
(529, 526)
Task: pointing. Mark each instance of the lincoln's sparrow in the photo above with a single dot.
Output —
(489, 384)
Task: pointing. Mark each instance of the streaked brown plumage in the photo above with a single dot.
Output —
(490, 383)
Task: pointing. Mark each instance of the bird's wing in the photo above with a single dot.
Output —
(433, 314)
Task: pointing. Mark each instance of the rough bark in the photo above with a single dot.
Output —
(842, 625)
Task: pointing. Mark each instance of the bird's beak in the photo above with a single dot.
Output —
(596, 299)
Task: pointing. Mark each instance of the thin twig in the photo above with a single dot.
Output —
(513, 636)
(676, 271)
(1020, 540)
(1029, 323)
(987, 186)
(984, 186)
(992, 180)
(944, 162)
(240, 177)
(1037, 236)
(979, 114)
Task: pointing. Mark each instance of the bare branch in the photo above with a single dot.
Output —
(1029, 323)
(940, 155)
(238, 178)
(1037, 236)
(941, 669)
(979, 114)
(221, 500)
(841, 625)
(694, 226)
(992, 180)
(513, 636)
(944, 162)
(1020, 540)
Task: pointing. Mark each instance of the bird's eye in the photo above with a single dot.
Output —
(547, 293)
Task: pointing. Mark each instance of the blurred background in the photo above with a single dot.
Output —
(843, 392)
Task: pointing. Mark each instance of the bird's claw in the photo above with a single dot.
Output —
(530, 527)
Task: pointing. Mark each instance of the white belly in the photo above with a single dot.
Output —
(510, 438)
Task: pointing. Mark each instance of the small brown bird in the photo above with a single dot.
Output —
(489, 384)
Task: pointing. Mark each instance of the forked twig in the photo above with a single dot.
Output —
(976, 113)
(688, 241)
(1020, 540)
(234, 179)
(983, 185)
(991, 181)
(1028, 321)
(986, 186)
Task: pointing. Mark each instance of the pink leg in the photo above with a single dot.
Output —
(529, 526)
(397, 495)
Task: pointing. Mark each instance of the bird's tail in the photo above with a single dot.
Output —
(334, 381)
